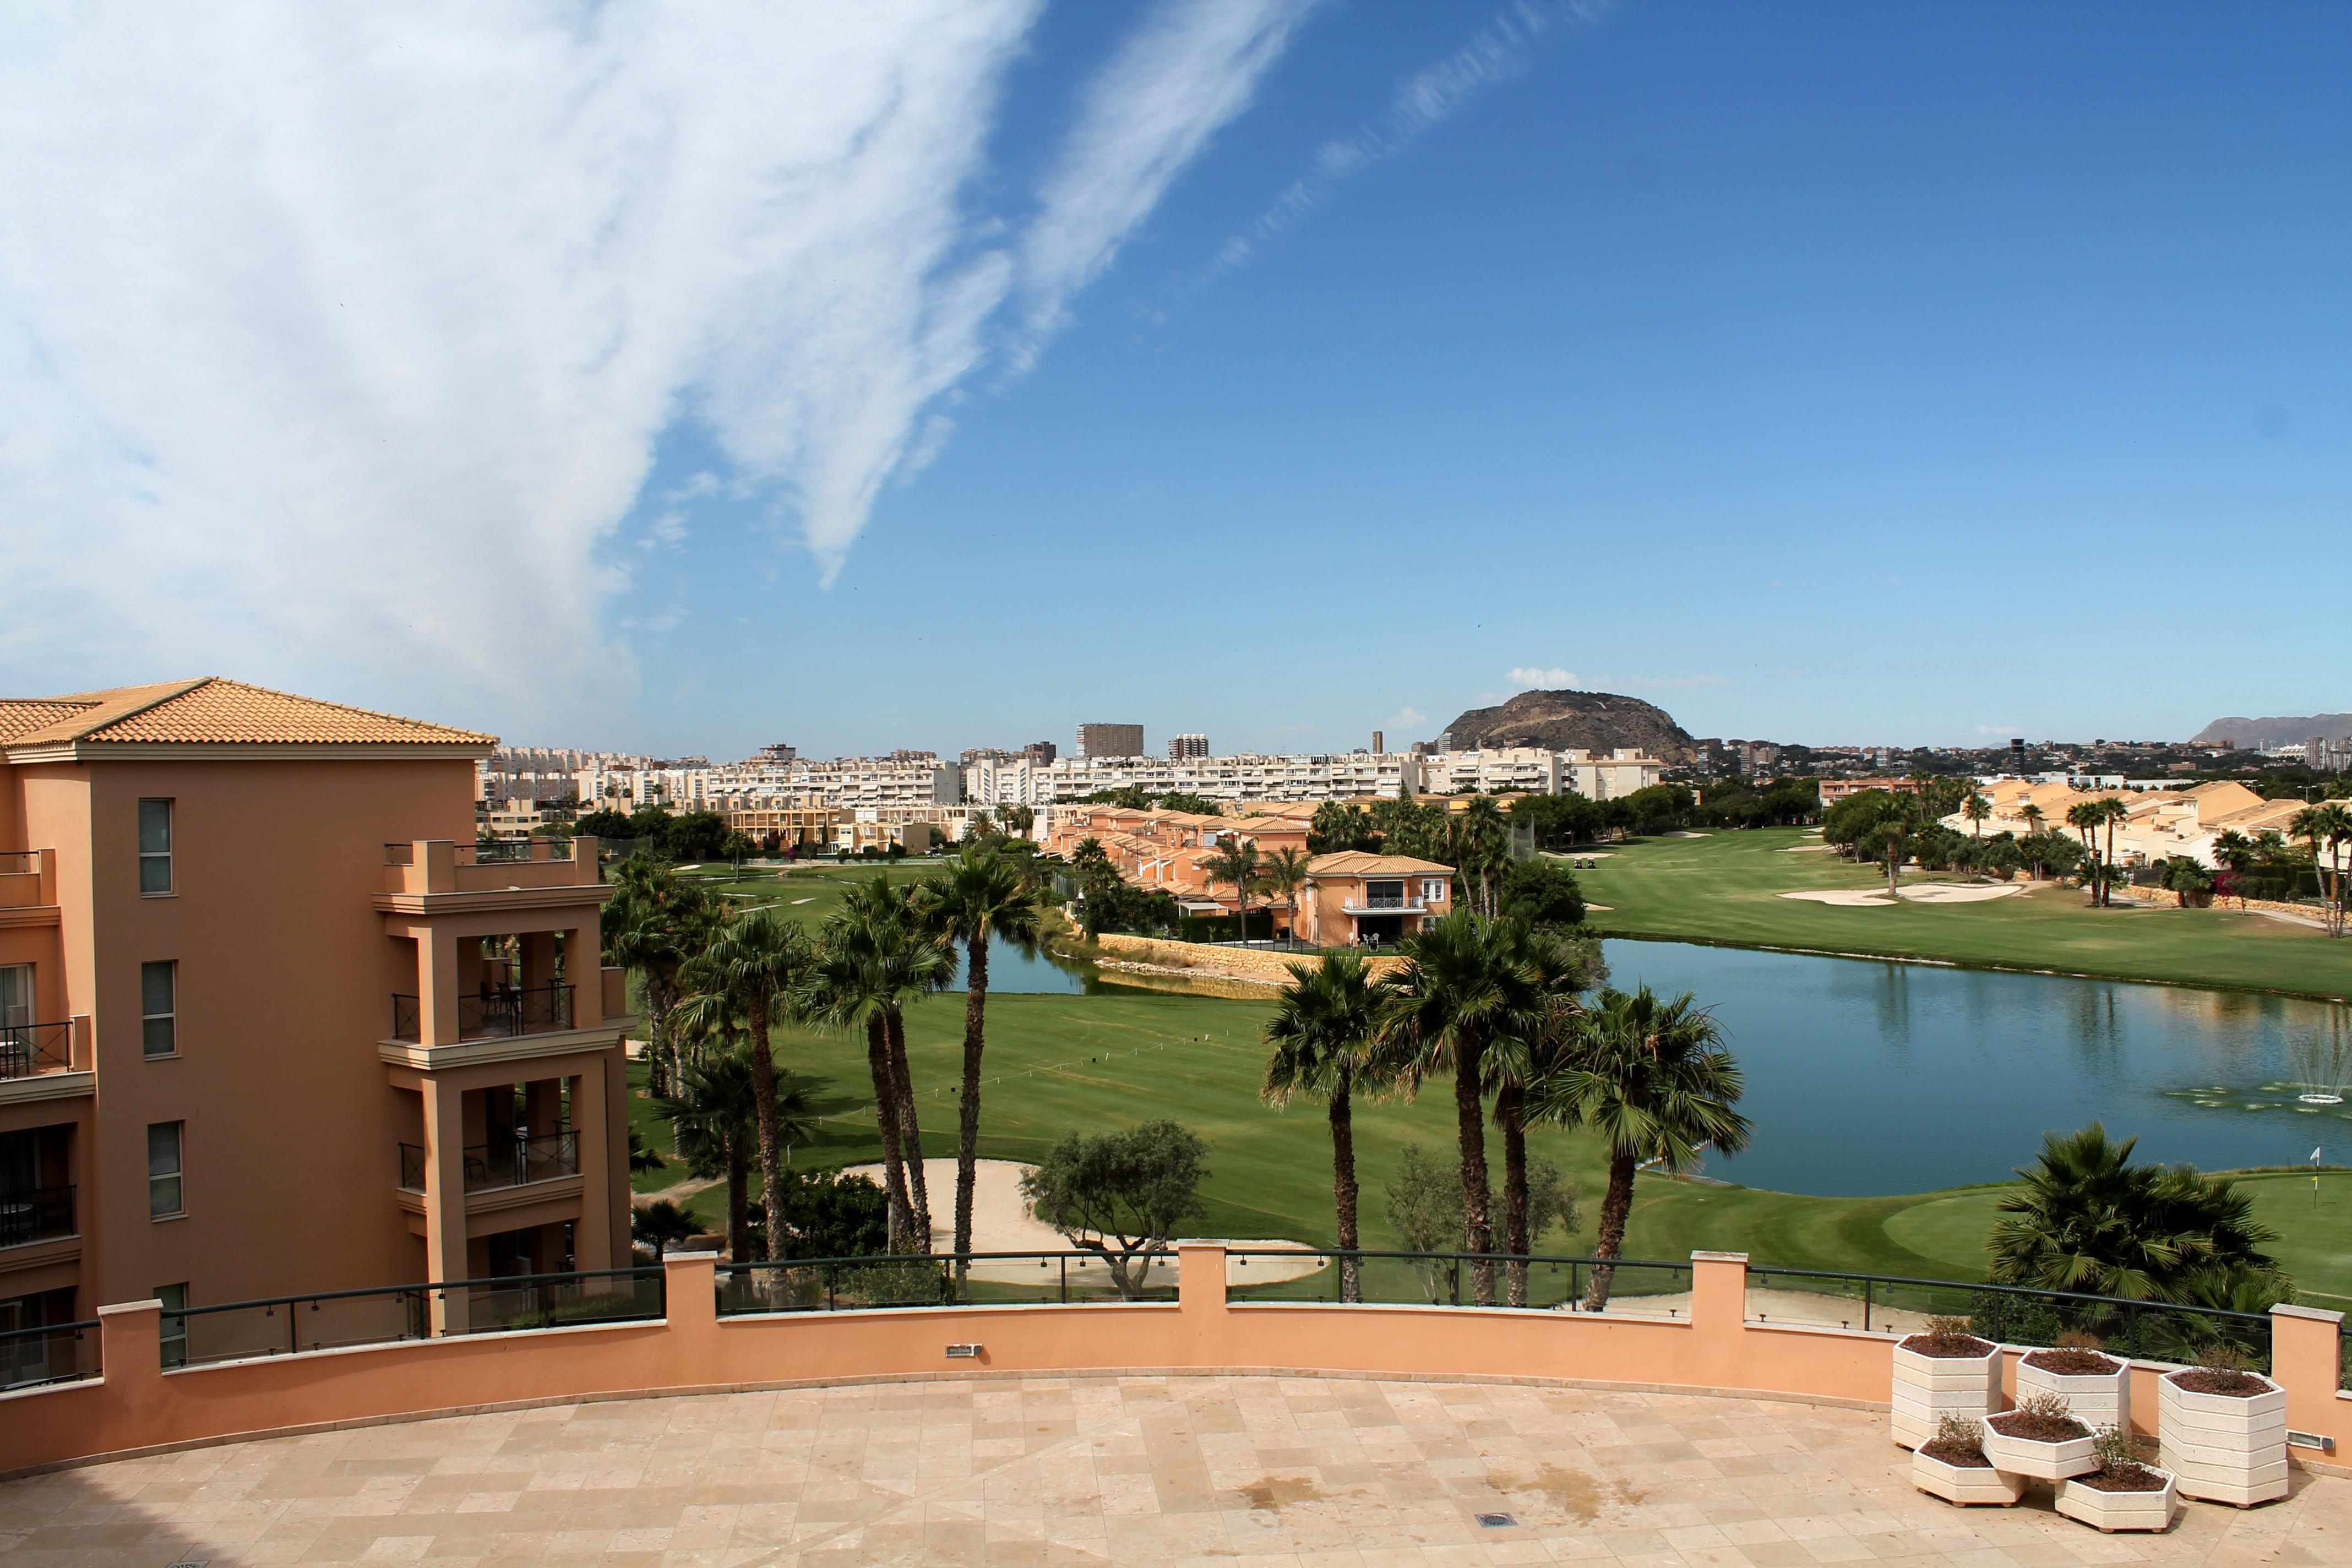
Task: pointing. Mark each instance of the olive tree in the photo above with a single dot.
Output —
(1121, 1194)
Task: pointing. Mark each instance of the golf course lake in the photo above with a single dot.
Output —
(1868, 1076)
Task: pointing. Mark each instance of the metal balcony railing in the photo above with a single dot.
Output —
(494, 1015)
(20, 862)
(35, 1214)
(502, 1162)
(30, 1049)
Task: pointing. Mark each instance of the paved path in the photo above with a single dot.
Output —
(1243, 1472)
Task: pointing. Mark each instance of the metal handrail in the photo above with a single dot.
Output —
(502, 1162)
(173, 1325)
(2025, 1292)
(19, 862)
(83, 1329)
(35, 1214)
(495, 1282)
(502, 1013)
(399, 853)
(26, 1050)
(951, 1268)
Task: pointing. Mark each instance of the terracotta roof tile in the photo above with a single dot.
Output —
(214, 712)
(23, 715)
(1356, 863)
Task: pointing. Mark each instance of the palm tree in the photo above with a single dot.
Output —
(1285, 873)
(2111, 811)
(1655, 1080)
(2083, 818)
(660, 1225)
(2034, 815)
(1976, 808)
(654, 921)
(1483, 841)
(717, 1118)
(1524, 1063)
(2088, 1220)
(1322, 1034)
(1466, 983)
(979, 896)
(749, 971)
(1234, 861)
(2329, 823)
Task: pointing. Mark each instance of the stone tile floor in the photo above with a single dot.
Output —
(1258, 1472)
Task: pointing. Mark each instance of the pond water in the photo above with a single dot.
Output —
(1010, 970)
(1867, 1077)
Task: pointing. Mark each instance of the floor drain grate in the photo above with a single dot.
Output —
(1497, 1520)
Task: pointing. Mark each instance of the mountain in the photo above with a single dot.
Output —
(2255, 732)
(1596, 721)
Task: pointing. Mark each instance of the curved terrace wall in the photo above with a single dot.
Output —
(135, 1405)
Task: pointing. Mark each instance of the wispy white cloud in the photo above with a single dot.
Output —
(319, 324)
(1409, 715)
(1530, 676)
(1504, 48)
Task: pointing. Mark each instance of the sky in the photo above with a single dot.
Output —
(684, 378)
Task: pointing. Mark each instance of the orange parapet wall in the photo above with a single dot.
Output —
(138, 1407)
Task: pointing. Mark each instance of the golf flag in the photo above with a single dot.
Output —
(2315, 1159)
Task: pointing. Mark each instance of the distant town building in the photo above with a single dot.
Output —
(1181, 747)
(1097, 741)
(1040, 751)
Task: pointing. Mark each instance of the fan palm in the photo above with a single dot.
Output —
(749, 971)
(1482, 843)
(1656, 1082)
(979, 896)
(654, 922)
(1528, 1062)
(2110, 811)
(717, 1121)
(1465, 983)
(2084, 817)
(2088, 1220)
(1976, 808)
(1284, 874)
(1322, 1034)
(2329, 823)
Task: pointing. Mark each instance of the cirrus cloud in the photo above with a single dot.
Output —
(1530, 676)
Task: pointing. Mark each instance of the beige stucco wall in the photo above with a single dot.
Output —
(1243, 963)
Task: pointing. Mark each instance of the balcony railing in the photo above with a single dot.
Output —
(35, 1214)
(20, 862)
(1383, 903)
(30, 1049)
(502, 1162)
(506, 851)
(494, 1015)
(53, 1352)
(294, 1325)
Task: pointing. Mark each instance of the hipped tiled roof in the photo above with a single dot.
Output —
(212, 711)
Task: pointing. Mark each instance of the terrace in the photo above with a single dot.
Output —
(1034, 1412)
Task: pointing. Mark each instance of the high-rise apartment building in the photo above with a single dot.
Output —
(1097, 740)
(271, 1020)
(1181, 747)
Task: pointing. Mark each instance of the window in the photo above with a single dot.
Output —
(16, 996)
(1433, 891)
(173, 1329)
(164, 1198)
(159, 1023)
(154, 846)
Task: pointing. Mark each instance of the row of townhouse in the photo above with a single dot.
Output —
(1347, 900)
(1531, 770)
(2160, 824)
(271, 1020)
(1312, 777)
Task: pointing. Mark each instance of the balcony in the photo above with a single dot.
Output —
(35, 1214)
(493, 1014)
(439, 866)
(1382, 904)
(28, 879)
(506, 1162)
(29, 1049)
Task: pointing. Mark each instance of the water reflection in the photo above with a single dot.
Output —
(1869, 1076)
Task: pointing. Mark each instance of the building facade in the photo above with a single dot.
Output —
(273, 1021)
(1097, 740)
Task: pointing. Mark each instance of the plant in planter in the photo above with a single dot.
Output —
(1952, 1465)
(1943, 1370)
(2041, 1438)
(2122, 1492)
(2221, 1427)
(2096, 1386)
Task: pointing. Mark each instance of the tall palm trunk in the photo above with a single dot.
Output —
(1343, 1190)
(1515, 1189)
(910, 1134)
(1477, 1225)
(1616, 1204)
(886, 1116)
(975, 1039)
(738, 1203)
(2107, 876)
(764, 1102)
(662, 1071)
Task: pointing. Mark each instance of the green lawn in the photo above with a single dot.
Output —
(1724, 888)
(809, 891)
(1058, 1063)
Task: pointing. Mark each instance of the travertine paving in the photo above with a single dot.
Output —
(1250, 1472)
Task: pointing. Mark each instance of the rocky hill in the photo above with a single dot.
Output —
(2254, 733)
(1597, 721)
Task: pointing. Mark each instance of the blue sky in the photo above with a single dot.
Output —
(1918, 373)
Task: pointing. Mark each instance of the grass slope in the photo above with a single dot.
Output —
(1724, 888)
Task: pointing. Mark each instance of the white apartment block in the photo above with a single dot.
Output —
(1620, 773)
(1249, 776)
(1527, 769)
(1008, 779)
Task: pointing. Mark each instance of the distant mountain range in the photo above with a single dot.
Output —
(2258, 733)
(1598, 722)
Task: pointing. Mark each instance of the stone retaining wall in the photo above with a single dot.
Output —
(1260, 966)
(2166, 899)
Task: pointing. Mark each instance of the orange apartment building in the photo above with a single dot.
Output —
(1357, 899)
(271, 1022)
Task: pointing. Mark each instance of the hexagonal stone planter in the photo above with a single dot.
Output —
(2223, 1447)
(1929, 1387)
(2097, 1399)
(1967, 1485)
(2041, 1460)
(2111, 1511)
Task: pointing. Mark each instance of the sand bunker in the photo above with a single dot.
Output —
(1001, 1221)
(1922, 893)
(1808, 849)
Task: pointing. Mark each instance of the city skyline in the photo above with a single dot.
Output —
(1826, 375)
